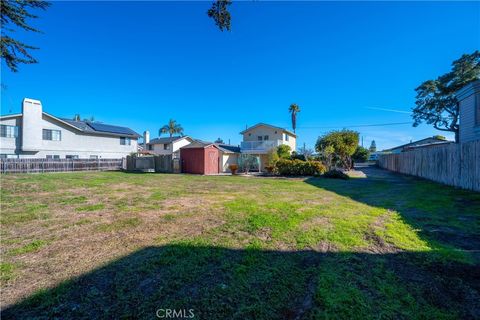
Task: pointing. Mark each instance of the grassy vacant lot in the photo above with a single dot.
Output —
(117, 245)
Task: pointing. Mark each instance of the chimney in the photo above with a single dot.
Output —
(31, 125)
(146, 139)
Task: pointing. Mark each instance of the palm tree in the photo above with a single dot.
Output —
(294, 109)
(171, 128)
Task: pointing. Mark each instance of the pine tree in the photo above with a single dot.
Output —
(16, 13)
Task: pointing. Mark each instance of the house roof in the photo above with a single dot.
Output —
(168, 139)
(200, 144)
(98, 128)
(269, 125)
(422, 142)
(427, 145)
(227, 148)
(7, 116)
(468, 90)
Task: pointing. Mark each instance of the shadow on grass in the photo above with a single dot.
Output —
(440, 214)
(223, 283)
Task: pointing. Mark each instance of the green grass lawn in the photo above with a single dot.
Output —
(118, 245)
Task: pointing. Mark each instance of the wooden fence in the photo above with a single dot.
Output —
(452, 164)
(58, 165)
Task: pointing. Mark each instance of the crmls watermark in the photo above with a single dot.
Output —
(175, 313)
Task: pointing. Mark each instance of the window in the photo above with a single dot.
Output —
(260, 138)
(124, 141)
(69, 156)
(149, 147)
(287, 137)
(3, 156)
(165, 146)
(93, 157)
(8, 131)
(54, 156)
(265, 138)
(54, 135)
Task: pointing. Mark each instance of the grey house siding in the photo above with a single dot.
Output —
(469, 109)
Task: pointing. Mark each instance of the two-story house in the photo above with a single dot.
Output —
(37, 134)
(469, 110)
(259, 139)
(166, 146)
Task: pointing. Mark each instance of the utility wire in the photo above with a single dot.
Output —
(359, 125)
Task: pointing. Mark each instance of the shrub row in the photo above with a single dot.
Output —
(299, 168)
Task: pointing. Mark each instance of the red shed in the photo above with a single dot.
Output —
(200, 158)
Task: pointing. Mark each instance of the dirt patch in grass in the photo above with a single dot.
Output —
(325, 246)
(86, 238)
(377, 243)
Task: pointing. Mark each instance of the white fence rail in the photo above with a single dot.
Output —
(453, 164)
(264, 145)
(58, 165)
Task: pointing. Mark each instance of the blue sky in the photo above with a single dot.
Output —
(140, 64)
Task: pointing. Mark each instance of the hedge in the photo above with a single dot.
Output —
(299, 168)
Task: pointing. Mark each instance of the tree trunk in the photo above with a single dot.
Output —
(457, 138)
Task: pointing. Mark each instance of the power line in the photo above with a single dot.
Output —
(359, 125)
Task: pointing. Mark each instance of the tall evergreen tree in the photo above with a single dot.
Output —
(373, 146)
(436, 102)
(16, 13)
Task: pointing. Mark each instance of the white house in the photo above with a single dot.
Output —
(259, 139)
(469, 110)
(166, 146)
(37, 134)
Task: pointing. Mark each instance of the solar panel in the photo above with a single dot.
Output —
(108, 128)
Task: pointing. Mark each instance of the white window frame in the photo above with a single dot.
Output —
(125, 141)
(8, 131)
(51, 135)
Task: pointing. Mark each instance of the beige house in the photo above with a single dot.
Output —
(166, 146)
(259, 139)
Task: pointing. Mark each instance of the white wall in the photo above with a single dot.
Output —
(32, 113)
(10, 145)
(226, 160)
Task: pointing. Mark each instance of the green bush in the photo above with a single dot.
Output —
(336, 174)
(361, 154)
(283, 151)
(299, 168)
